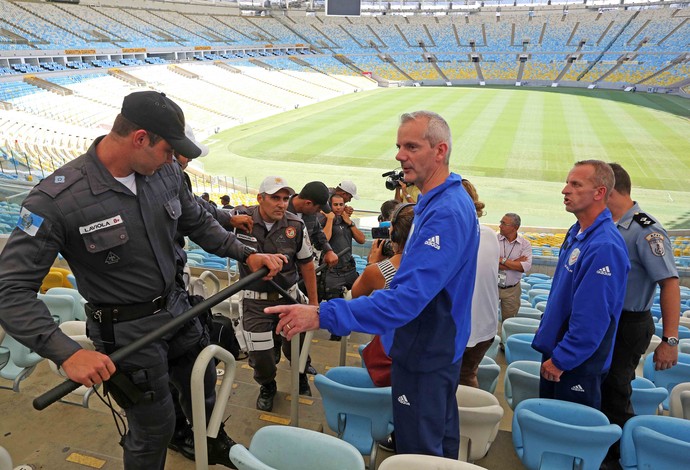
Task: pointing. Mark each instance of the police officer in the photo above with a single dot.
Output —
(312, 199)
(652, 263)
(275, 230)
(113, 214)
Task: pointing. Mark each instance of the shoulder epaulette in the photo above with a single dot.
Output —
(643, 219)
(57, 182)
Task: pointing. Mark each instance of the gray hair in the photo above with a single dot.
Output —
(515, 217)
(437, 129)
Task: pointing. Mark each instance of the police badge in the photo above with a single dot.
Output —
(656, 243)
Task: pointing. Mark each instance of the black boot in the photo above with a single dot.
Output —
(304, 388)
(219, 449)
(182, 441)
(265, 400)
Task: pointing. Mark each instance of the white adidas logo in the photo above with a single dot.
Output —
(605, 271)
(402, 399)
(578, 387)
(434, 242)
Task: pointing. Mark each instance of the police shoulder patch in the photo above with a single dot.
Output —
(656, 243)
(643, 219)
(62, 179)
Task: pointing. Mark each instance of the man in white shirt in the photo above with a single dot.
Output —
(515, 258)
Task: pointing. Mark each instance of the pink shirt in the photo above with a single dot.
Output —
(514, 250)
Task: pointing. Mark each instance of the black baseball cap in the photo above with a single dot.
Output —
(155, 112)
(318, 193)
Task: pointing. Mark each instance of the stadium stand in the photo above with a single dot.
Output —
(228, 69)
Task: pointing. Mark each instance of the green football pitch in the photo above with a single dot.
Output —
(515, 145)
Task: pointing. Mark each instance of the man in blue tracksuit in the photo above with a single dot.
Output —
(424, 318)
(578, 328)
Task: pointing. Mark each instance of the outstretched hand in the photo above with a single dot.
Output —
(295, 319)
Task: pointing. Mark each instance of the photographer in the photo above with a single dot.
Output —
(340, 230)
(404, 191)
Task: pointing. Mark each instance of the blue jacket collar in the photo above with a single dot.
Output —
(603, 217)
(424, 199)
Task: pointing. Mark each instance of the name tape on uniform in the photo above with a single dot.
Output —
(117, 220)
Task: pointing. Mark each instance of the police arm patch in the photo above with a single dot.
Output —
(656, 243)
(29, 222)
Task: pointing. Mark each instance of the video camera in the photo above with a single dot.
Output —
(383, 232)
(393, 179)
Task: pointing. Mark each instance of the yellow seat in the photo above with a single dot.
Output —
(52, 279)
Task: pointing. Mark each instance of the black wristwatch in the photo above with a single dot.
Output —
(671, 340)
(352, 224)
(247, 251)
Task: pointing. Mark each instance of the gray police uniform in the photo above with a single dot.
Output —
(121, 248)
(651, 260)
(344, 274)
(287, 236)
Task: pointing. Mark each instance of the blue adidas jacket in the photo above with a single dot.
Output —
(579, 325)
(425, 316)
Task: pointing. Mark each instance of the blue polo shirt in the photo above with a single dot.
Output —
(425, 316)
(578, 328)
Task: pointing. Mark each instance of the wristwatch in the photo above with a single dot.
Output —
(352, 224)
(671, 340)
(247, 251)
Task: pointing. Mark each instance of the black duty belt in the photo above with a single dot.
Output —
(122, 313)
(640, 314)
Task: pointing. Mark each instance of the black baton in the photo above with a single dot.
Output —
(51, 396)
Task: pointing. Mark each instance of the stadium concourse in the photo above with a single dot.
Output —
(65, 68)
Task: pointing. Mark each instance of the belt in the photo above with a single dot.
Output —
(122, 313)
(640, 314)
(508, 287)
(254, 295)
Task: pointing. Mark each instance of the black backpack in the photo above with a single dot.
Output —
(223, 334)
(220, 329)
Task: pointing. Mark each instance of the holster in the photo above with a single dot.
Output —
(123, 390)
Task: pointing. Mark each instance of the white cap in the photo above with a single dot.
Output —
(273, 184)
(190, 135)
(349, 187)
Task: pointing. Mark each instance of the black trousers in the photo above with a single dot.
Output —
(635, 330)
(634, 334)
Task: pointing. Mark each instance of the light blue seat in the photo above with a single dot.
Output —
(555, 434)
(646, 397)
(61, 307)
(519, 348)
(535, 292)
(291, 448)
(521, 382)
(79, 313)
(359, 412)
(22, 362)
(683, 331)
(511, 326)
(655, 442)
(539, 298)
(540, 276)
(544, 286)
(492, 352)
(541, 306)
(668, 378)
(529, 312)
(487, 374)
(418, 462)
